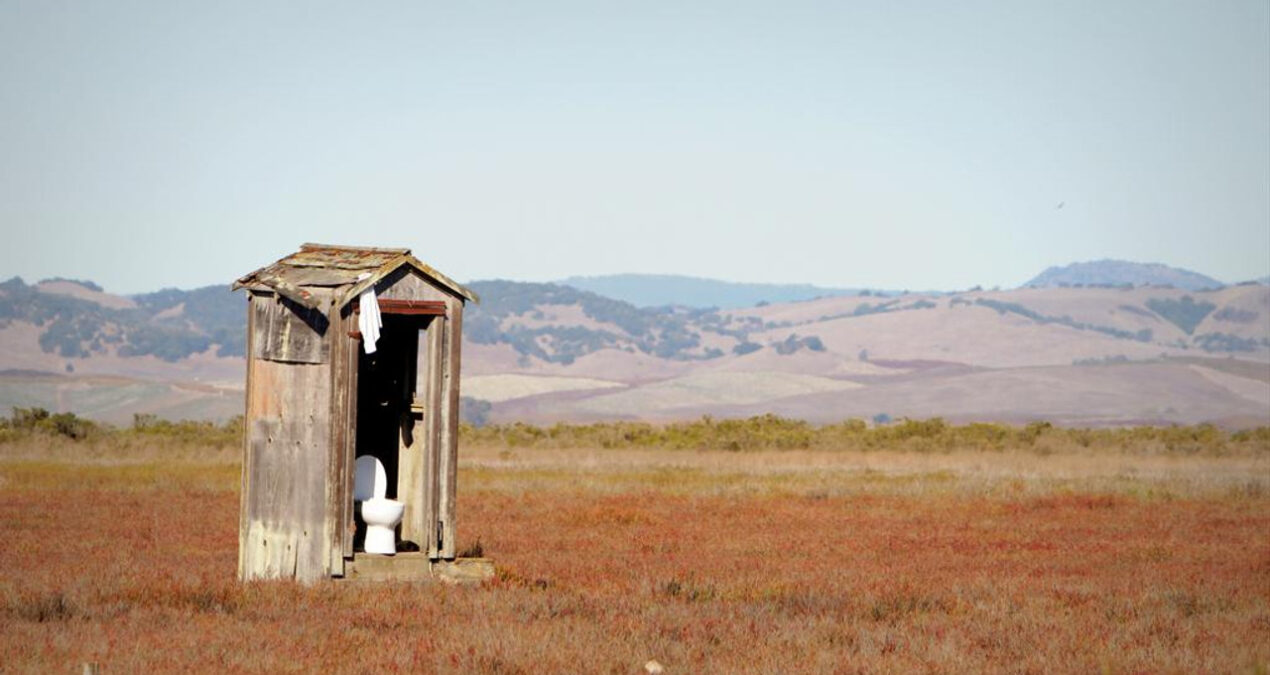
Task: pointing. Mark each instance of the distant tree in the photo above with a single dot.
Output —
(1236, 315)
(1222, 342)
(794, 343)
(1184, 313)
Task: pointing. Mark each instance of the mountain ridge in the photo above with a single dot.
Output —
(658, 290)
(1111, 272)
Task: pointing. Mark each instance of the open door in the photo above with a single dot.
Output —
(404, 404)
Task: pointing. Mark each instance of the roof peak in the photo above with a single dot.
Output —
(310, 247)
(345, 269)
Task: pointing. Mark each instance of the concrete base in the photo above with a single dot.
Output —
(417, 567)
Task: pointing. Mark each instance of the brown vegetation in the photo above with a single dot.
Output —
(898, 551)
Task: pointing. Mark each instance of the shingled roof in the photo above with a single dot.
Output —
(338, 267)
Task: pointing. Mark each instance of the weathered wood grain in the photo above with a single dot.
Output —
(449, 412)
(289, 447)
(432, 440)
(410, 460)
(407, 284)
(246, 487)
(338, 518)
(285, 331)
(350, 453)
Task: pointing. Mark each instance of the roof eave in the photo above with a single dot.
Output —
(293, 293)
(453, 285)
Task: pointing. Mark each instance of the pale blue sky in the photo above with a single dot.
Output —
(887, 144)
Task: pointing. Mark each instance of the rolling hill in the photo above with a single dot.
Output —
(545, 352)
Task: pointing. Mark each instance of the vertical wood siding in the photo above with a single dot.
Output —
(449, 447)
(432, 438)
(288, 456)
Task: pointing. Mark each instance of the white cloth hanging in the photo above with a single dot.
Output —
(369, 321)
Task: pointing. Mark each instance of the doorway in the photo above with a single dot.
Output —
(390, 402)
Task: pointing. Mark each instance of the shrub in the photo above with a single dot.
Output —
(188, 431)
(39, 420)
(793, 343)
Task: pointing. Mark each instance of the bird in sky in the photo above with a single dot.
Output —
(1060, 205)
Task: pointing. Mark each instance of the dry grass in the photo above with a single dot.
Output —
(798, 561)
(838, 474)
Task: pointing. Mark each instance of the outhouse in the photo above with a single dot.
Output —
(322, 393)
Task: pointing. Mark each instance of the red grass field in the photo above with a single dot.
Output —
(705, 562)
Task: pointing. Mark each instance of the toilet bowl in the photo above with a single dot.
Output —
(381, 515)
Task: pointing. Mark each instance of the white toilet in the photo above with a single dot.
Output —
(381, 515)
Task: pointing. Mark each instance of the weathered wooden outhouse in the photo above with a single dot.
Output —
(316, 400)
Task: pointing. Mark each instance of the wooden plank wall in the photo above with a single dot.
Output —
(351, 360)
(431, 438)
(288, 455)
(246, 486)
(343, 434)
(448, 450)
(410, 460)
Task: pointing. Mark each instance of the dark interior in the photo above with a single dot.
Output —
(385, 389)
(386, 385)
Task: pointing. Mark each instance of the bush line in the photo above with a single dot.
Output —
(771, 432)
(764, 432)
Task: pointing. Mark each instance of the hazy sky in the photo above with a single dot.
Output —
(890, 144)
